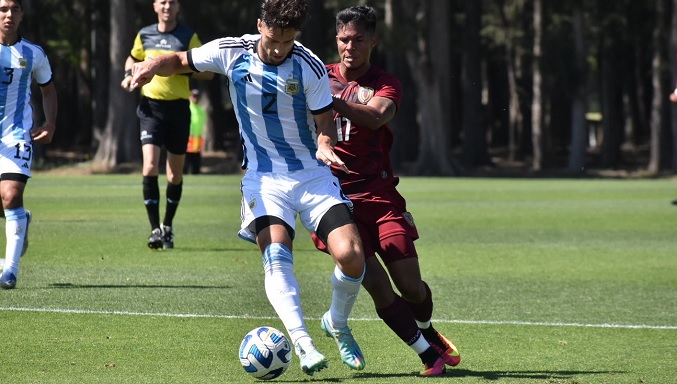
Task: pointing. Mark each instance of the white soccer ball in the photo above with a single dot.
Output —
(265, 353)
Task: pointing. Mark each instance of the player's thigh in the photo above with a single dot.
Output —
(264, 195)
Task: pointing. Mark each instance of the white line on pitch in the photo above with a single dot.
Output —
(195, 315)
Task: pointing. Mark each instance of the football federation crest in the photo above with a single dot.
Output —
(409, 218)
(364, 94)
(23, 63)
(292, 86)
(252, 202)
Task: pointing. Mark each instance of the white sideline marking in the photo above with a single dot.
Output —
(197, 315)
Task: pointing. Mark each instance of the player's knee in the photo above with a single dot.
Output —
(413, 291)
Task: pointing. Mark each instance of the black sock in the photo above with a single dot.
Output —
(173, 197)
(151, 199)
(429, 356)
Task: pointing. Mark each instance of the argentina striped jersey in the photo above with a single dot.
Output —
(18, 62)
(274, 104)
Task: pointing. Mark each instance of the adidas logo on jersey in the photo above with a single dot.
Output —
(248, 78)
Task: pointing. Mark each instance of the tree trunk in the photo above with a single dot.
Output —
(100, 67)
(658, 90)
(120, 141)
(514, 108)
(537, 102)
(428, 58)
(673, 70)
(579, 127)
(404, 126)
(474, 135)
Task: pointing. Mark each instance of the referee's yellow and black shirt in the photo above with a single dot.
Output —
(150, 43)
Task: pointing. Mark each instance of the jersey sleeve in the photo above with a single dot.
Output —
(212, 57)
(389, 87)
(138, 53)
(43, 70)
(194, 42)
(318, 91)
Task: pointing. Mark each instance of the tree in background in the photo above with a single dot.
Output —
(120, 140)
(595, 58)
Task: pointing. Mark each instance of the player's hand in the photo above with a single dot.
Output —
(327, 155)
(126, 84)
(43, 134)
(673, 97)
(142, 74)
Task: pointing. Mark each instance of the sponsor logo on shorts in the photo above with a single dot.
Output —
(25, 165)
(145, 135)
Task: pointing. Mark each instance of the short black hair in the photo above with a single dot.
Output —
(359, 14)
(284, 14)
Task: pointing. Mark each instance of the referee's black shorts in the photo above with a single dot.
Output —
(165, 123)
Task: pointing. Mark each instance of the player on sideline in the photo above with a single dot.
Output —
(164, 116)
(366, 98)
(283, 104)
(21, 60)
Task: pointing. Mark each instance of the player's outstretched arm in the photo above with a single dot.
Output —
(163, 65)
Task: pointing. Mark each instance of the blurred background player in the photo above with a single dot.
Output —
(198, 119)
(164, 115)
(366, 98)
(21, 61)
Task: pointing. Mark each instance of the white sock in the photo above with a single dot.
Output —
(15, 230)
(343, 297)
(423, 324)
(282, 289)
(420, 345)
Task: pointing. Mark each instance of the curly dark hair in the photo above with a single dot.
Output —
(359, 14)
(284, 14)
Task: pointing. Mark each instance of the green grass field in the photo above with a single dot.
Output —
(537, 281)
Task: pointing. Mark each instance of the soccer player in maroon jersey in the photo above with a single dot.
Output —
(365, 99)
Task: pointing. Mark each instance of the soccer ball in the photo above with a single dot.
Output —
(265, 353)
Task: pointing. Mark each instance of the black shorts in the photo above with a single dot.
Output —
(165, 123)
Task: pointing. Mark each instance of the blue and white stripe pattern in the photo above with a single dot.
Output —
(273, 104)
(18, 63)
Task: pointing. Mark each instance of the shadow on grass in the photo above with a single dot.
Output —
(71, 285)
(498, 375)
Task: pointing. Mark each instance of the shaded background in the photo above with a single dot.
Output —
(491, 87)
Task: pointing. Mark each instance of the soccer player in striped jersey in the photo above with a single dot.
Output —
(283, 104)
(366, 99)
(21, 62)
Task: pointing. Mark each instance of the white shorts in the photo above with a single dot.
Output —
(16, 157)
(309, 193)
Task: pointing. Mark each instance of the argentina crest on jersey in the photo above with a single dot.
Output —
(292, 86)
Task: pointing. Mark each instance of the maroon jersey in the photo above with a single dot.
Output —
(365, 152)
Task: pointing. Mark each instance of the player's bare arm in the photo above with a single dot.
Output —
(45, 133)
(326, 139)
(163, 65)
(379, 111)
